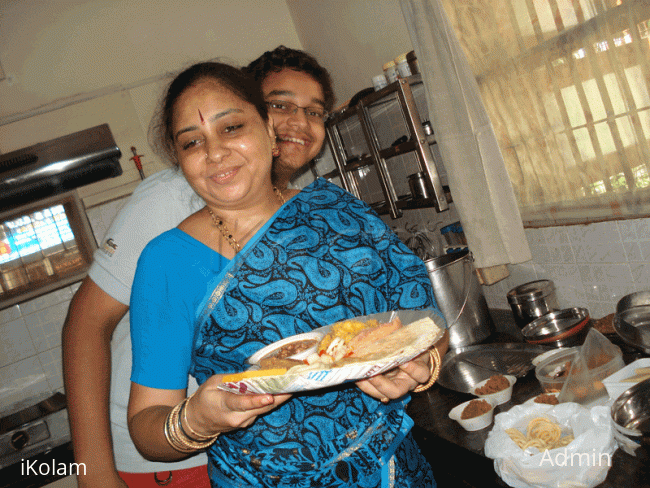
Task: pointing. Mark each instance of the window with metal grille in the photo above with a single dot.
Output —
(43, 246)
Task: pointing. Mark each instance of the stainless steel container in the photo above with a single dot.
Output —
(419, 186)
(565, 328)
(460, 298)
(532, 300)
(632, 320)
(631, 418)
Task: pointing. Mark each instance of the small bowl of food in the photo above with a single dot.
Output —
(544, 399)
(561, 328)
(553, 371)
(474, 414)
(297, 348)
(497, 388)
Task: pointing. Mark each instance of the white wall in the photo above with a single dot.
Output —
(353, 38)
(74, 64)
(51, 50)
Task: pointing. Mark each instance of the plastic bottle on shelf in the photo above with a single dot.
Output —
(402, 65)
(390, 71)
(379, 82)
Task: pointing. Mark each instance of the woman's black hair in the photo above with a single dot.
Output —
(234, 79)
(286, 58)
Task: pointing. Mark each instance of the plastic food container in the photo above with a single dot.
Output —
(313, 337)
(498, 397)
(475, 423)
(553, 371)
(616, 386)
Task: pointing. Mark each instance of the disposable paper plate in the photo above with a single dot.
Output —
(305, 378)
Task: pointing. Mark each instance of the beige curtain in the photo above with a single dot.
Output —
(566, 84)
(479, 183)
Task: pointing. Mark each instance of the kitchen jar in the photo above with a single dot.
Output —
(402, 65)
(390, 71)
(532, 300)
(379, 82)
(419, 186)
(412, 60)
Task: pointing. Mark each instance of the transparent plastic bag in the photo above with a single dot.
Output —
(597, 359)
(582, 463)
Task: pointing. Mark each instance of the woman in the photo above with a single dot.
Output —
(257, 264)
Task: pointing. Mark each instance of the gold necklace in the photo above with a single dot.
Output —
(219, 223)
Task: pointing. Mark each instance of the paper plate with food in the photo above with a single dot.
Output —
(347, 350)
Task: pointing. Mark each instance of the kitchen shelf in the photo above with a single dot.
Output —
(417, 142)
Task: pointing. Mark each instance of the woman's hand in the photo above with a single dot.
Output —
(399, 381)
(212, 410)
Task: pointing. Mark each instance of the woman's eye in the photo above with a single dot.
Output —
(233, 128)
(190, 144)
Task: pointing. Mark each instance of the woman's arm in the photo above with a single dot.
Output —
(210, 411)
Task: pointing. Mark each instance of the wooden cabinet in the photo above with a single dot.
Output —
(380, 155)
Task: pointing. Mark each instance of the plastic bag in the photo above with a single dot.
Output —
(582, 463)
(597, 359)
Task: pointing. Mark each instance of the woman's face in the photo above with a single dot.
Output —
(300, 135)
(222, 143)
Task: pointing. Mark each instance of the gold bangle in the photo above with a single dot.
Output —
(177, 437)
(172, 437)
(435, 371)
(194, 435)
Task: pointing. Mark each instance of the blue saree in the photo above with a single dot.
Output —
(325, 256)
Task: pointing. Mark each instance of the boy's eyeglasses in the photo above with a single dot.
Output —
(289, 108)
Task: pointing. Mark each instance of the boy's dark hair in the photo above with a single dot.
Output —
(286, 58)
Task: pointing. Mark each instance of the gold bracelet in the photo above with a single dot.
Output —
(435, 371)
(194, 435)
(172, 438)
(177, 438)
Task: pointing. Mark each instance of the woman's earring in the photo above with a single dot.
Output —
(275, 150)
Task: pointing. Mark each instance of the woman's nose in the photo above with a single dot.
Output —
(216, 149)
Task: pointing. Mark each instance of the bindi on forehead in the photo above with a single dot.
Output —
(201, 118)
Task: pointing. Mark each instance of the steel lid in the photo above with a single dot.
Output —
(531, 291)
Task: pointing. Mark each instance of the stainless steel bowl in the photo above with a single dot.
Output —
(563, 328)
(632, 320)
(631, 417)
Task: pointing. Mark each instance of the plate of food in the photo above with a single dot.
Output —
(348, 350)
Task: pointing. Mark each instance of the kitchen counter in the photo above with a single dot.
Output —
(448, 445)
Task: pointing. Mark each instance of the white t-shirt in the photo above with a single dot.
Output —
(159, 203)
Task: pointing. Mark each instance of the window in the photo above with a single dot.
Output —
(567, 86)
(43, 246)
